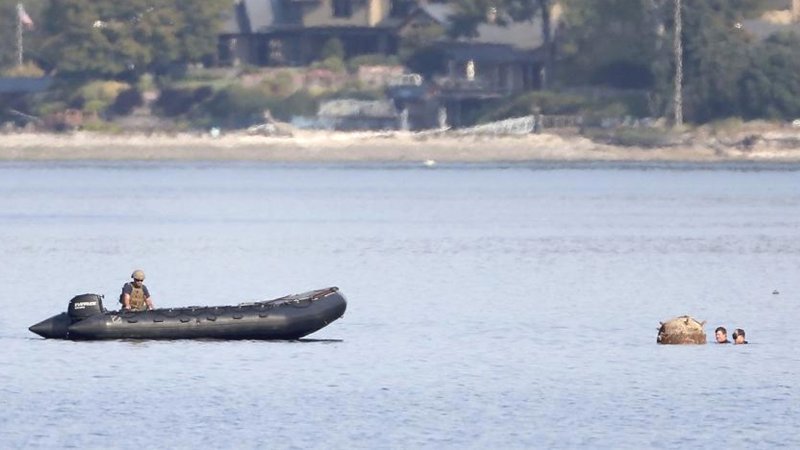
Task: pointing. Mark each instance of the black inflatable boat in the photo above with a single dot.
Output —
(290, 317)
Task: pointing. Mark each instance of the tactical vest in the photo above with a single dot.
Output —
(137, 299)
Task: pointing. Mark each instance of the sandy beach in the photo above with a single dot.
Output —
(325, 146)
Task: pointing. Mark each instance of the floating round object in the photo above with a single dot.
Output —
(682, 330)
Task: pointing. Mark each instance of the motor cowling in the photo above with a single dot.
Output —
(85, 305)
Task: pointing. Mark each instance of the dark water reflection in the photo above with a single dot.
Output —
(489, 306)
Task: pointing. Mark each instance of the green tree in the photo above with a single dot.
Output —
(202, 23)
(769, 87)
(421, 38)
(611, 43)
(467, 16)
(77, 41)
(236, 107)
(93, 38)
(715, 56)
(627, 44)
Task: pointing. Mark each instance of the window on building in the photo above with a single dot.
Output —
(342, 8)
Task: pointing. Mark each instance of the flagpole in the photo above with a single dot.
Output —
(19, 34)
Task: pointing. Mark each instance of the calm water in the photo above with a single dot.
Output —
(489, 307)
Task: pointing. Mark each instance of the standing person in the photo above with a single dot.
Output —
(135, 295)
(721, 335)
(738, 336)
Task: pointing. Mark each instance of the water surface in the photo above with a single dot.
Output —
(489, 306)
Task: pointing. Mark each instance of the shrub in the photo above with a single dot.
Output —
(280, 84)
(633, 137)
(724, 126)
(104, 91)
(333, 48)
(354, 91)
(235, 107)
(375, 59)
(643, 137)
(76, 102)
(101, 126)
(300, 103)
(626, 102)
(28, 69)
(333, 63)
(126, 101)
(147, 82)
(597, 113)
(549, 103)
(95, 106)
(174, 102)
(249, 69)
(96, 96)
(623, 74)
(46, 108)
(423, 37)
(202, 93)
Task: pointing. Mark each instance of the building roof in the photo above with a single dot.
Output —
(264, 16)
(526, 35)
(261, 16)
(439, 12)
(23, 85)
(256, 16)
(234, 20)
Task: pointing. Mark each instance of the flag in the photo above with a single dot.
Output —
(23, 16)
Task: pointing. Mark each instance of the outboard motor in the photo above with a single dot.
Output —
(80, 307)
(83, 306)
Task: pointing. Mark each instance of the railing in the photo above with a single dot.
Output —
(523, 125)
(516, 126)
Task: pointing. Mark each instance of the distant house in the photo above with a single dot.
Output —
(293, 32)
(501, 59)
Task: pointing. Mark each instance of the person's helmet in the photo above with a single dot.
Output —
(138, 274)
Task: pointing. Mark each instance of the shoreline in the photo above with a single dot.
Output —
(376, 147)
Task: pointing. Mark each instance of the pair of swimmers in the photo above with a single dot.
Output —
(721, 336)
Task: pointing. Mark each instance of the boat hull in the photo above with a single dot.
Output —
(290, 317)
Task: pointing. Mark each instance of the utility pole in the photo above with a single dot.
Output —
(19, 34)
(678, 48)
